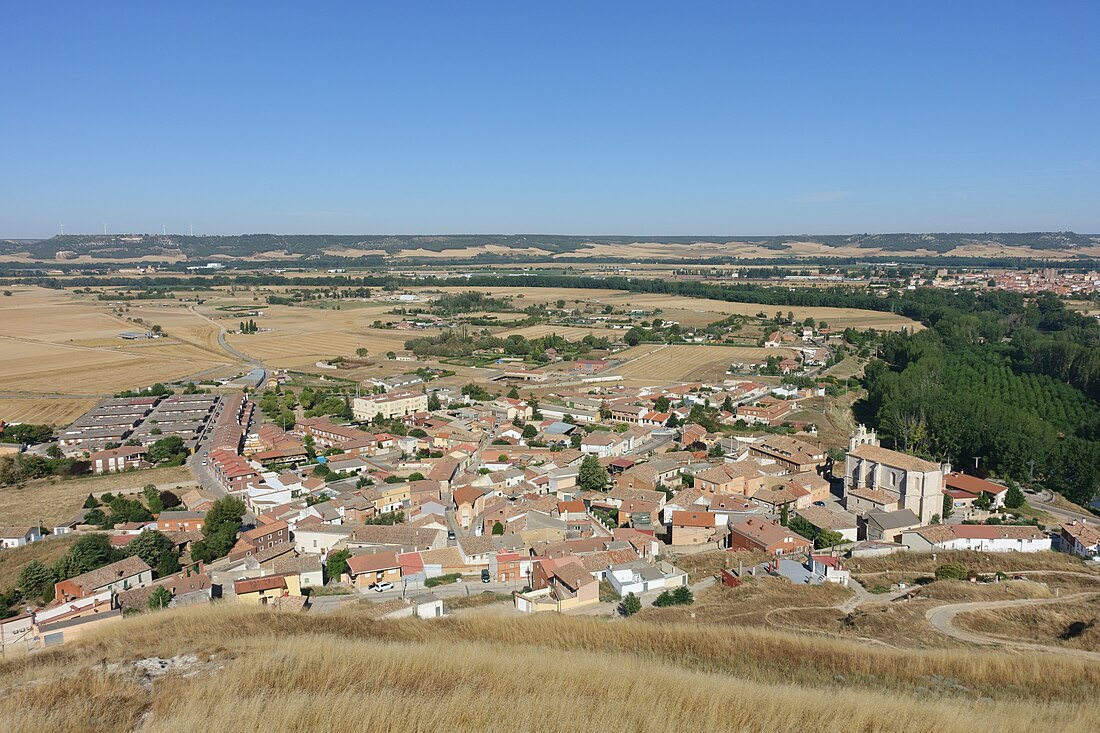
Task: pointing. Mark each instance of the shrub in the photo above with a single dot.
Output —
(951, 571)
(681, 596)
(630, 605)
(441, 580)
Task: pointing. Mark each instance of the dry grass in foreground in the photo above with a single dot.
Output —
(1074, 624)
(342, 671)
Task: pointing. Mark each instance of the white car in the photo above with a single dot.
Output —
(382, 587)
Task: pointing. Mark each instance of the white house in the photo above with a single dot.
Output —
(638, 577)
(603, 445)
(1082, 539)
(12, 537)
(830, 569)
(977, 537)
(319, 539)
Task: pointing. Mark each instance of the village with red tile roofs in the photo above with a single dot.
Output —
(526, 494)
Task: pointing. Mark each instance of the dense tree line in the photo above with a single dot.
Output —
(1007, 383)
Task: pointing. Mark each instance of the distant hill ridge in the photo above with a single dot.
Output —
(120, 246)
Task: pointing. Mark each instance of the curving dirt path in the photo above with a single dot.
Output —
(942, 619)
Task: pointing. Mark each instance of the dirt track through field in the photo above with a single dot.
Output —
(942, 619)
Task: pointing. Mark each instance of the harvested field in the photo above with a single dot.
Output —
(56, 342)
(573, 333)
(711, 310)
(43, 410)
(299, 337)
(54, 500)
(688, 363)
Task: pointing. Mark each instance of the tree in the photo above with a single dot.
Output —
(498, 528)
(96, 517)
(662, 404)
(87, 553)
(828, 538)
(784, 515)
(476, 392)
(1014, 498)
(159, 598)
(91, 502)
(681, 596)
(36, 580)
(983, 502)
(167, 449)
(156, 550)
(529, 432)
(948, 507)
(592, 476)
(434, 403)
(630, 605)
(513, 393)
(336, 564)
(361, 352)
(220, 527)
(169, 499)
(128, 510)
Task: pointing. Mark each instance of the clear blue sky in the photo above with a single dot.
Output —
(572, 118)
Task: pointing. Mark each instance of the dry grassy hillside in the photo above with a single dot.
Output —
(299, 672)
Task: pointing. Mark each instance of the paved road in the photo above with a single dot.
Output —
(203, 475)
(225, 344)
(942, 619)
(1045, 501)
(470, 586)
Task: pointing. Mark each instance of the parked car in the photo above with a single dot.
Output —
(450, 534)
(819, 503)
(382, 587)
(485, 575)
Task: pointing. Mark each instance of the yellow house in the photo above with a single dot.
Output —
(262, 591)
(372, 568)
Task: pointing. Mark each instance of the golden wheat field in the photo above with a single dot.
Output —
(298, 337)
(253, 668)
(709, 310)
(43, 410)
(67, 344)
(684, 363)
(57, 342)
